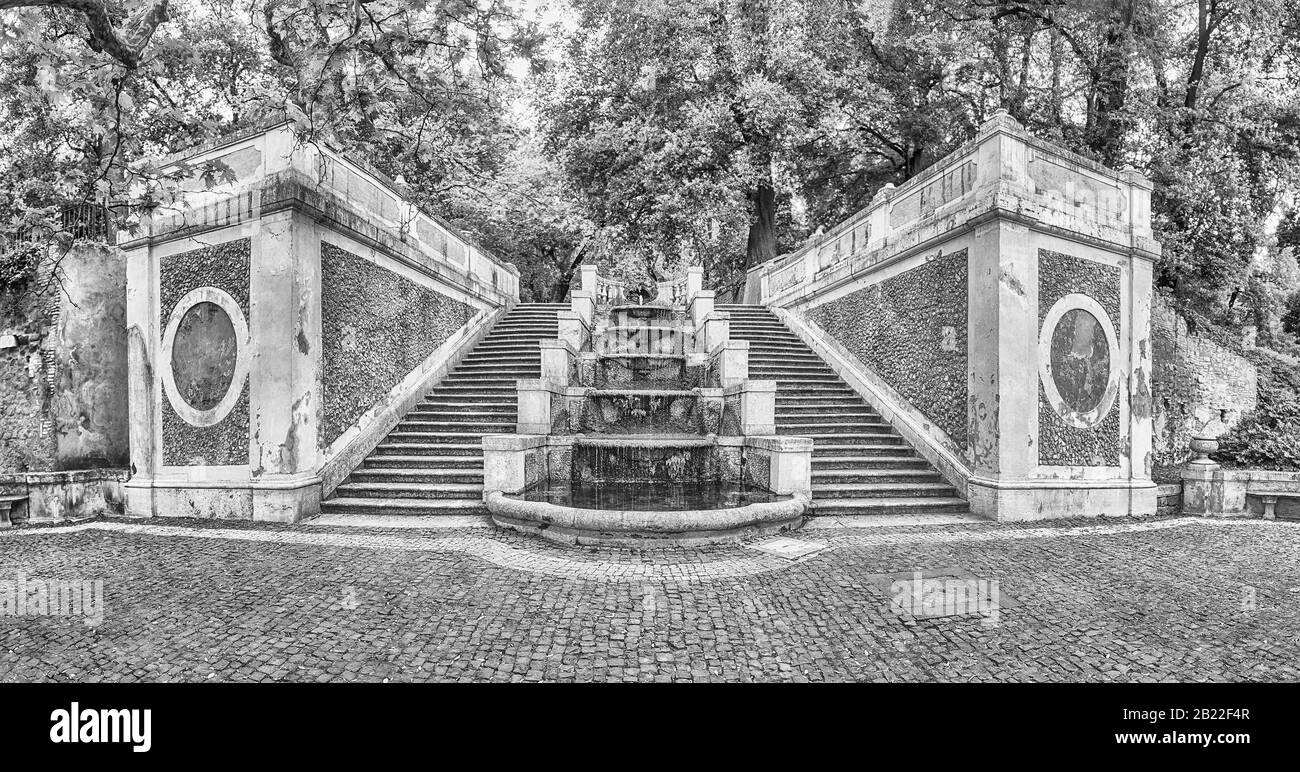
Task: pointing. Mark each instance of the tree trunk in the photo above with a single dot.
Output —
(124, 42)
(560, 290)
(761, 246)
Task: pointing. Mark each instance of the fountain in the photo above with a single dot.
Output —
(645, 429)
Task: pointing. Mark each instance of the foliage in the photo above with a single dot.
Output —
(1267, 437)
(674, 131)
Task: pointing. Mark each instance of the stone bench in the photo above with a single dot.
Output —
(1269, 499)
(7, 503)
(1212, 491)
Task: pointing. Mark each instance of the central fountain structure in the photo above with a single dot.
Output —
(645, 429)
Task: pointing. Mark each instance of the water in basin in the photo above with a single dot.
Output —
(658, 496)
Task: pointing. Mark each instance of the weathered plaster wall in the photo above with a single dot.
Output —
(225, 266)
(88, 401)
(911, 330)
(63, 387)
(377, 327)
(26, 443)
(1058, 442)
(1194, 379)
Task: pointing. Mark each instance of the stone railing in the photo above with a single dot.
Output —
(673, 292)
(956, 301)
(282, 316)
(258, 172)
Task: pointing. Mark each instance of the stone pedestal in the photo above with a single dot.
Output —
(731, 359)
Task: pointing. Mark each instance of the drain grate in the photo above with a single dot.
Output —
(785, 547)
(939, 593)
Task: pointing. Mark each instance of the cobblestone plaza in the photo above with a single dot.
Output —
(1125, 599)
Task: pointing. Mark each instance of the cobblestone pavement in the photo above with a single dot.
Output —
(1120, 600)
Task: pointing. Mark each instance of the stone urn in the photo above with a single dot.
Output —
(1204, 443)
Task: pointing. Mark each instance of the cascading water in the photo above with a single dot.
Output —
(645, 435)
(643, 441)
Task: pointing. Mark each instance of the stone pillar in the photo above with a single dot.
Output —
(790, 461)
(142, 384)
(556, 357)
(732, 362)
(701, 305)
(583, 303)
(757, 406)
(573, 330)
(284, 318)
(694, 282)
(534, 395)
(713, 332)
(588, 279)
(505, 466)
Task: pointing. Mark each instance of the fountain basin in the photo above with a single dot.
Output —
(732, 487)
(645, 528)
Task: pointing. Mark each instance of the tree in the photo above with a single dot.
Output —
(675, 120)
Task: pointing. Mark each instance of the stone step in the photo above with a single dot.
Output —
(785, 360)
(857, 438)
(881, 490)
(832, 412)
(507, 410)
(444, 392)
(405, 435)
(834, 426)
(815, 395)
(497, 402)
(407, 461)
(912, 505)
(412, 424)
(821, 477)
(496, 371)
(518, 338)
(765, 337)
(526, 360)
(800, 380)
(837, 451)
(790, 367)
(413, 446)
(463, 476)
(381, 490)
(456, 383)
(403, 506)
(880, 460)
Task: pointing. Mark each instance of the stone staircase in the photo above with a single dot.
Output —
(432, 461)
(860, 465)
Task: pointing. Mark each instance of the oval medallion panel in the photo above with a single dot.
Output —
(1080, 360)
(204, 355)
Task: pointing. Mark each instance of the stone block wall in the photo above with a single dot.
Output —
(225, 266)
(376, 328)
(1194, 380)
(1059, 442)
(910, 330)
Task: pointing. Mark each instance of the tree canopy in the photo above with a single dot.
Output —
(648, 135)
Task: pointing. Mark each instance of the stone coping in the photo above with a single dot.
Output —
(66, 476)
(1255, 480)
(1000, 123)
(327, 146)
(575, 525)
